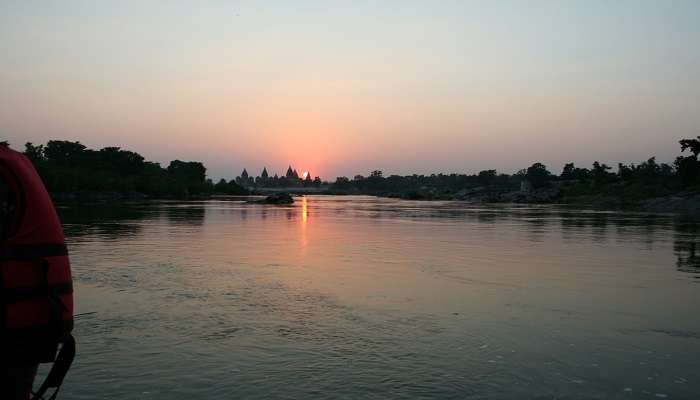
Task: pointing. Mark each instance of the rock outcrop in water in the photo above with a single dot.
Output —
(484, 195)
(277, 198)
(686, 203)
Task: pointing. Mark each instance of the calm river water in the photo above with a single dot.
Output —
(366, 298)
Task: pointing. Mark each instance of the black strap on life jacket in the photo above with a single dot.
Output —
(30, 251)
(14, 295)
(34, 252)
(60, 367)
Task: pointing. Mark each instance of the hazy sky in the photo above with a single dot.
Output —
(341, 88)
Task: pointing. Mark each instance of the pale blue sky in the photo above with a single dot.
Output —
(346, 87)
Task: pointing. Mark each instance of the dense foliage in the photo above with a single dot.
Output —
(71, 167)
(67, 166)
(647, 179)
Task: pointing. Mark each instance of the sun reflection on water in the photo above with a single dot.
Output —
(304, 220)
(304, 210)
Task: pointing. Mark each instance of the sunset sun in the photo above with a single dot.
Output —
(305, 174)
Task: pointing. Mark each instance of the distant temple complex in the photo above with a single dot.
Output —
(291, 179)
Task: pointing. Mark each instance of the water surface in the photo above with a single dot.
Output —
(365, 298)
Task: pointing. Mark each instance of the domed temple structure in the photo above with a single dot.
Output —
(290, 179)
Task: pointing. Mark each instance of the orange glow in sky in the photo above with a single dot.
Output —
(403, 87)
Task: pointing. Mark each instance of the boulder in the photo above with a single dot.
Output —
(277, 198)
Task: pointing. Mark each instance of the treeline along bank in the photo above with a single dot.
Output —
(70, 167)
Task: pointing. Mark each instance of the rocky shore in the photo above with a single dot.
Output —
(484, 195)
(686, 203)
(682, 203)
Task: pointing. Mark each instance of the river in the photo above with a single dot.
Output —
(368, 298)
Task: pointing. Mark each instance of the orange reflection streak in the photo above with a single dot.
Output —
(304, 219)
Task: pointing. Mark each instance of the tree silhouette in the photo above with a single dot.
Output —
(538, 175)
(66, 166)
(34, 153)
(487, 177)
(688, 167)
(692, 144)
(600, 173)
(63, 152)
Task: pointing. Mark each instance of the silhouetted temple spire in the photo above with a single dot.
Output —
(290, 173)
(264, 173)
(244, 174)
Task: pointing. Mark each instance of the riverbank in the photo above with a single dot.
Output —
(123, 196)
(681, 203)
(138, 196)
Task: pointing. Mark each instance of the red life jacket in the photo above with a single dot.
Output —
(36, 290)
